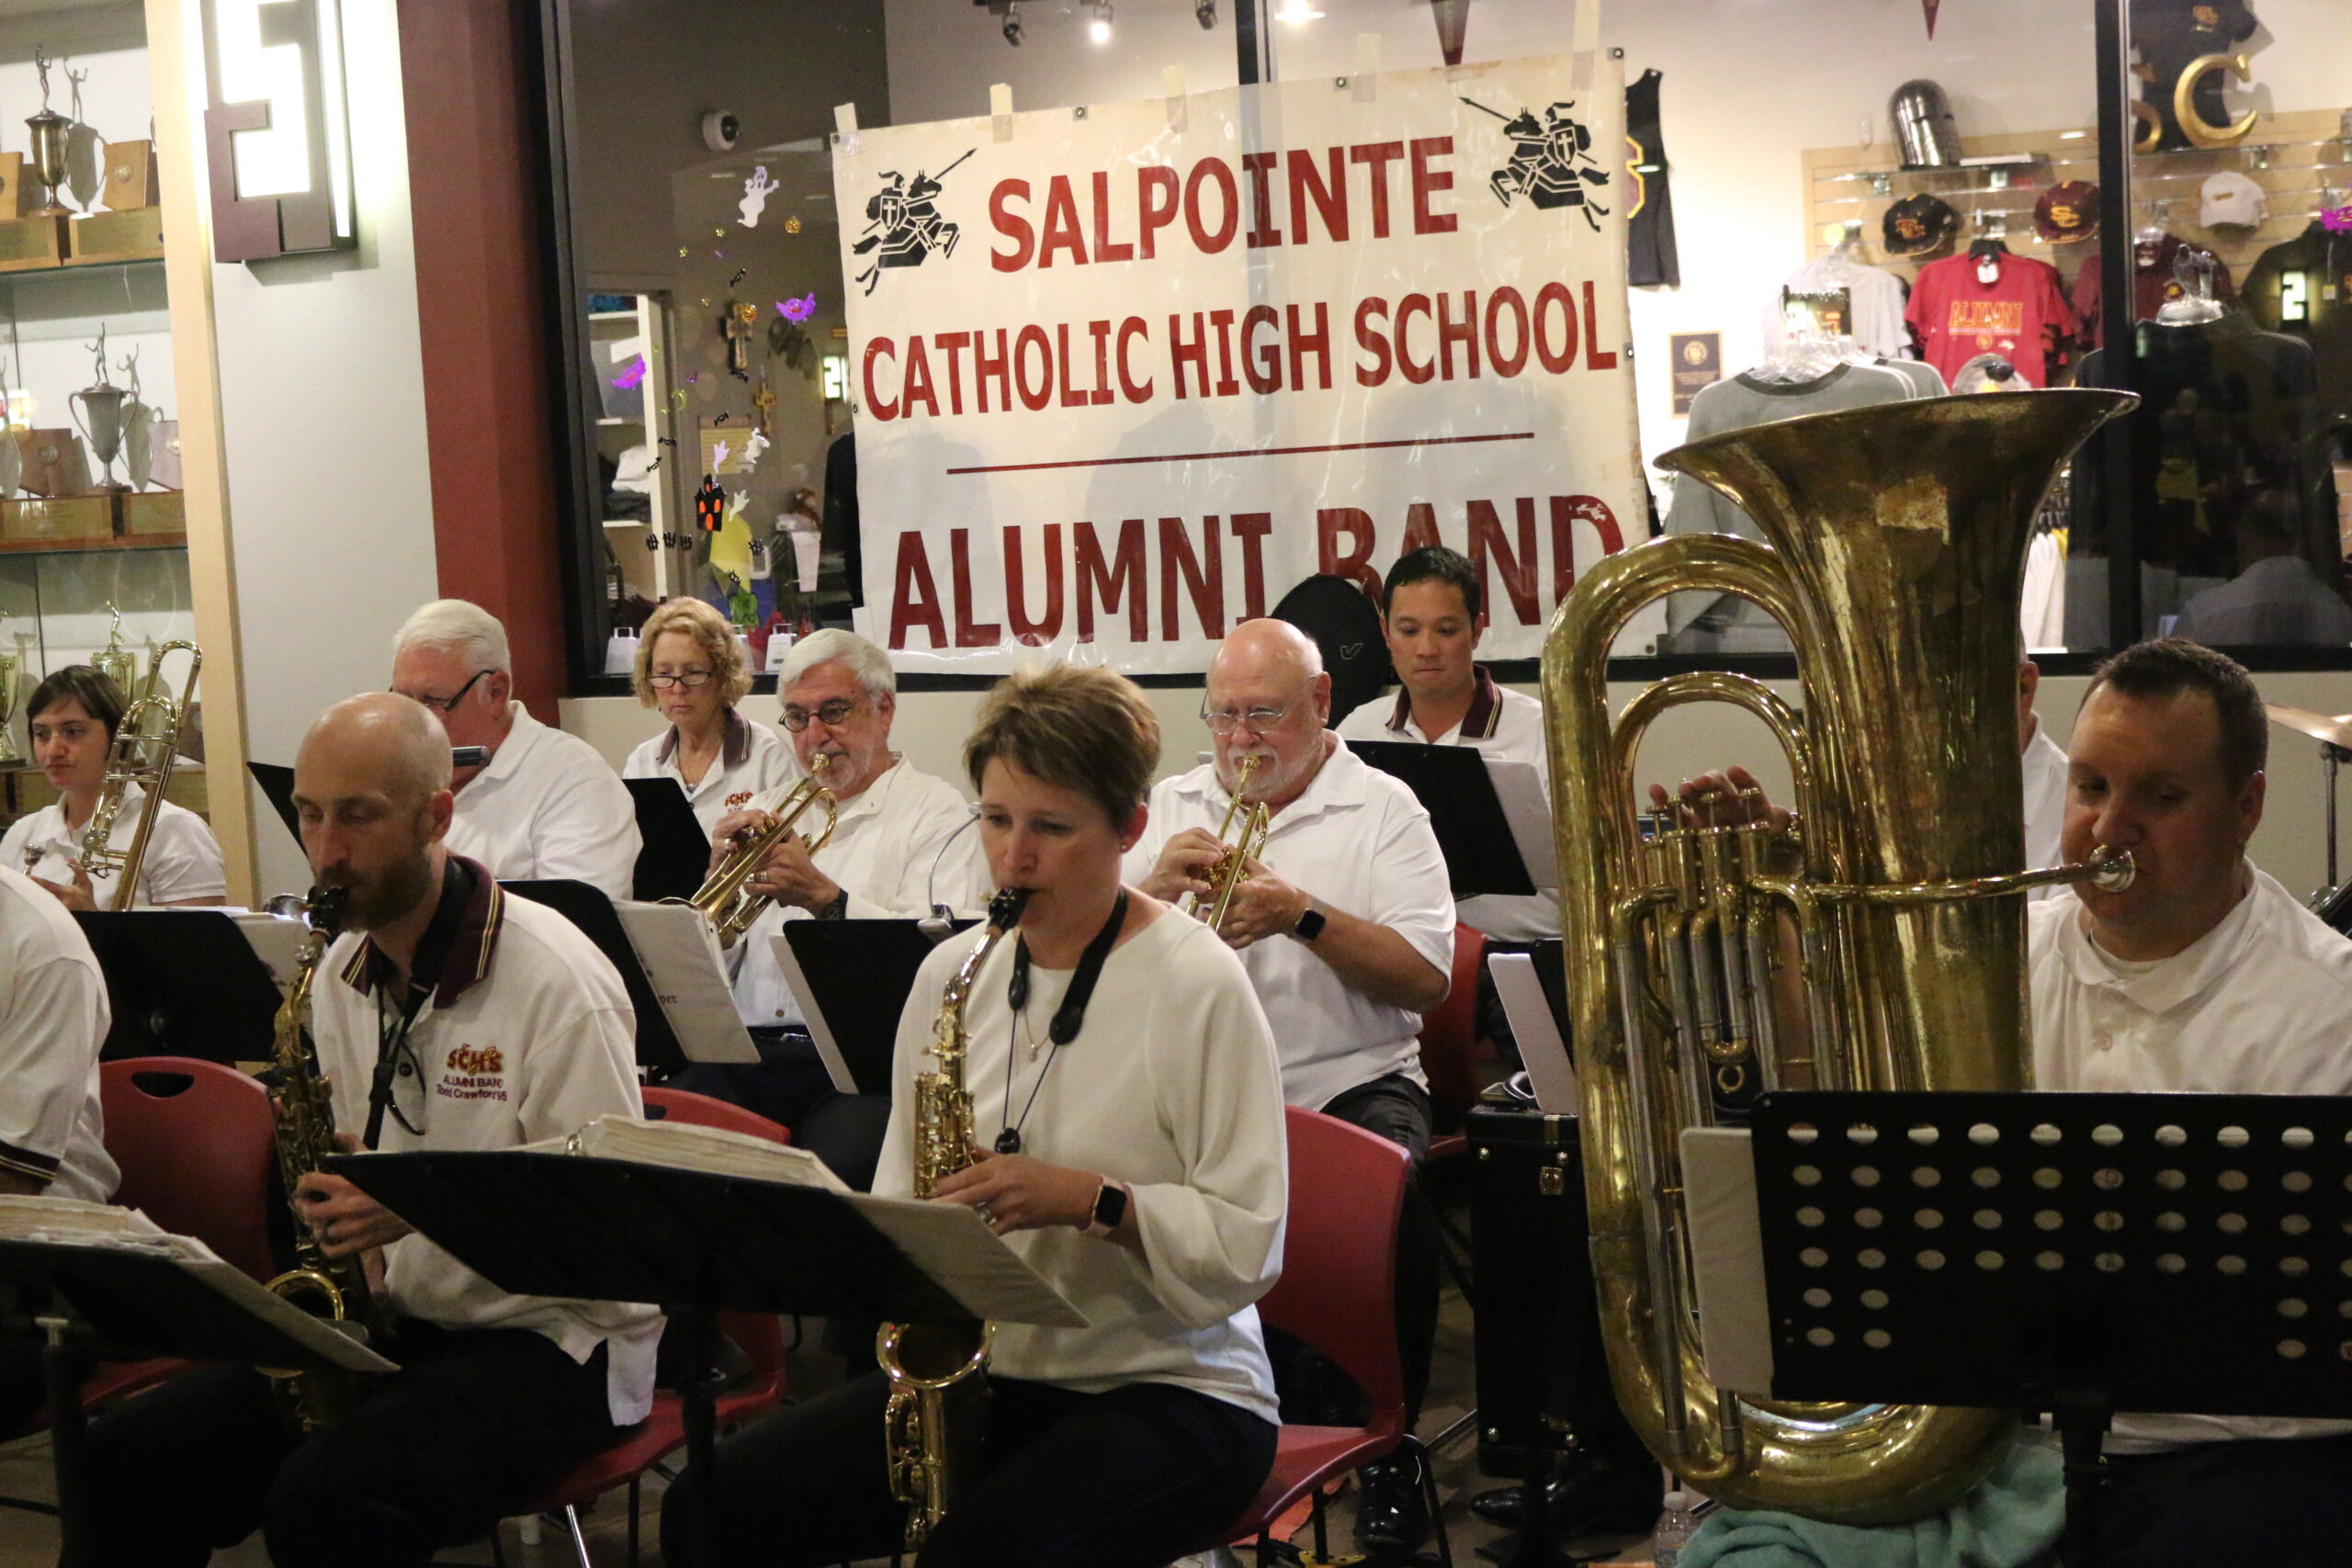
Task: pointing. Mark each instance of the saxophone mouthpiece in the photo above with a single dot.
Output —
(1005, 906)
(323, 908)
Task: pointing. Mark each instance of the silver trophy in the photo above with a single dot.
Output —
(51, 137)
(97, 410)
(115, 661)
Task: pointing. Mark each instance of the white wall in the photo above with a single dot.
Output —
(323, 396)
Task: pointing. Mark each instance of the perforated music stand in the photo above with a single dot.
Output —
(2081, 1254)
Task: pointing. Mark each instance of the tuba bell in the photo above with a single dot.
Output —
(1898, 536)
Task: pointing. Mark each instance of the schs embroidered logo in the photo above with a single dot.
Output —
(474, 1072)
(740, 797)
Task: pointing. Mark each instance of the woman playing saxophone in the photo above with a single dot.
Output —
(1127, 1112)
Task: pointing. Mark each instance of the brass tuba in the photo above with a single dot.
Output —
(145, 748)
(1898, 536)
(936, 1371)
(1233, 865)
(331, 1288)
(722, 899)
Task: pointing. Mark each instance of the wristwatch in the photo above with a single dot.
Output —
(1110, 1208)
(1310, 922)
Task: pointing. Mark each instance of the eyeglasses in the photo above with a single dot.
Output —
(449, 704)
(834, 714)
(690, 679)
(1226, 720)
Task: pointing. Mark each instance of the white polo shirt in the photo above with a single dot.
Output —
(1358, 840)
(2261, 1004)
(548, 806)
(182, 862)
(53, 1018)
(889, 838)
(1501, 723)
(527, 1036)
(2045, 803)
(751, 759)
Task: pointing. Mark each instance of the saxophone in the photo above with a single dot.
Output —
(331, 1288)
(929, 1366)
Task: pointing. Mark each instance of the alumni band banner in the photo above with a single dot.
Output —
(1126, 374)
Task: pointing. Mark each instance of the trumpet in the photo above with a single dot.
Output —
(721, 898)
(146, 747)
(1229, 868)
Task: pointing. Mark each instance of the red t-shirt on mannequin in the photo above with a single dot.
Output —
(1961, 306)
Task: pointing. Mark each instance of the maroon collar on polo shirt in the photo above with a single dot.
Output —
(454, 954)
(734, 745)
(1486, 715)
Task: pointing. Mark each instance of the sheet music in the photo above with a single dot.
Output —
(1549, 1070)
(819, 1033)
(679, 953)
(1527, 809)
(953, 1244)
(276, 943)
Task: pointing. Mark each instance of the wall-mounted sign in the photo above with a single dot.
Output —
(278, 139)
(1698, 362)
(1126, 375)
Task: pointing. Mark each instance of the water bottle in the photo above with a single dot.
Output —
(1675, 1527)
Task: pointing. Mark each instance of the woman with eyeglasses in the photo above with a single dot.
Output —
(690, 666)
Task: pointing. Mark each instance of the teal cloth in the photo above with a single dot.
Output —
(2014, 1518)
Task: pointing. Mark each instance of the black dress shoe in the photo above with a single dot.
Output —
(1591, 1496)
(1391, 1512)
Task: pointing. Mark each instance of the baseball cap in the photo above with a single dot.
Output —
(2232, 198)
(1919, 225)
(2067, 212)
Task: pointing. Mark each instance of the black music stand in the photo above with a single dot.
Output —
(122, 1304)
(675, 853)
(853, 977)
(277, 781)
(181, 983)
(694, 1244)
(2081, 1254)
(1451, 782)
(591, 908)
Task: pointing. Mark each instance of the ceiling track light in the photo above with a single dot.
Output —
(1013, 23)
(1205, 12)
(1098, 20)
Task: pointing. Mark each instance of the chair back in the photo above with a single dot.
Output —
(1450, 1032)
(702, 1111)
(194, 1142)
(1338, 1289)
(759, 1334)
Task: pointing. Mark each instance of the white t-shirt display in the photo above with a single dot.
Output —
(1358, 840)
(891, 852)
(182, 863)
(752, 759)
(548, 806)
(527, 1036)
(54, 1019)
(1182, 1104)
(1878, 300)
(2261, 1004)
(2044, 765)
(1501, 723)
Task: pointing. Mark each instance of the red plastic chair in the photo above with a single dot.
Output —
(1450, 1042)
(194, 1142)
(663, 1432)
(1337, 1293)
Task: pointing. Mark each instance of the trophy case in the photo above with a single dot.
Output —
(93, 525)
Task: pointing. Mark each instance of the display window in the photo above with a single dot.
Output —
(1003, 327)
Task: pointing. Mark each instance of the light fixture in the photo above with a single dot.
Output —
(1297, 11)
(1013, 23)
(277, 137)
(1098, 20)
(1206, 14)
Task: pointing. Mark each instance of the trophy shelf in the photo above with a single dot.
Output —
(45, 261)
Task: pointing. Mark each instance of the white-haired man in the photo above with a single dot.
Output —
(900, 846)
(1345, 924)
(547, 805)
(448, 1016)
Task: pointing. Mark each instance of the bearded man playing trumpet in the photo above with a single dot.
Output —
(900, 845)
(1345, 924)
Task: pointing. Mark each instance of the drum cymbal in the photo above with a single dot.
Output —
(2336, 732)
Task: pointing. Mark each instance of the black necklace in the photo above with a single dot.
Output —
(1069, 1018)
